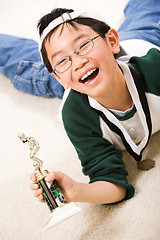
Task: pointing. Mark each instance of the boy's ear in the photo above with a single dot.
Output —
(113, 39)
(59, 80)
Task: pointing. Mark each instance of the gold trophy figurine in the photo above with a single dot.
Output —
(53, 196)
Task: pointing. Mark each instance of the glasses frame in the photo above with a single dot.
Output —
(76, 52)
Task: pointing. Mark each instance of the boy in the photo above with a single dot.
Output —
(111, 105)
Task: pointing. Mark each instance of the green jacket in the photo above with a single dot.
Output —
(99, 136)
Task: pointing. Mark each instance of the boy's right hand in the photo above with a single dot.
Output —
(99, 192)
(67, 185)
(38, 192)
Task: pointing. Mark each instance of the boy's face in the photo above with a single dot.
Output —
(99, 62)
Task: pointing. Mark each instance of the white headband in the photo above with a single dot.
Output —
(80, 12)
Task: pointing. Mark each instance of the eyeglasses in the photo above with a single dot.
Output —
(84, 48)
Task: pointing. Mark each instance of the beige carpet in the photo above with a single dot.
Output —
(22, 216)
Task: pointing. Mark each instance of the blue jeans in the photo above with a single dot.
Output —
(142, 21)
(21, 62)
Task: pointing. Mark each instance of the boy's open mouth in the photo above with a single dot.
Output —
(89, 76)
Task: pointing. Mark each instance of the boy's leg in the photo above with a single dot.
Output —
(21, 62)
(142, 21)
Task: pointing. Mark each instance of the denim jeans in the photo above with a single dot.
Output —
(21, 62)
(142, 21)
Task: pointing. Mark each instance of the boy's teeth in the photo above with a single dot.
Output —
(88, 74)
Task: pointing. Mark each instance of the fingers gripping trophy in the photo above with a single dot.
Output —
(52, 194)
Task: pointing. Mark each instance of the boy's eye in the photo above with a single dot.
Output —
(84, 45)
(63, 61)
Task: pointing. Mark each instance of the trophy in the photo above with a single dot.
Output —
(58, 206)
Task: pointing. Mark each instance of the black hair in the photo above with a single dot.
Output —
(98, 26)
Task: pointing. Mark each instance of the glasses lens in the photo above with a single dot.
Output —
(63, 65)
(85, 47)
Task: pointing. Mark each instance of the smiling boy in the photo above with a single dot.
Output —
(111, 105)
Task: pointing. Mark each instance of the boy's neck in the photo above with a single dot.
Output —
(120, 105)
(121, 99)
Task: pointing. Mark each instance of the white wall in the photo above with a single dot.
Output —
(19, 17)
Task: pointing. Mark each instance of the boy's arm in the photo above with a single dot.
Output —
(100, 159)
(99, 192)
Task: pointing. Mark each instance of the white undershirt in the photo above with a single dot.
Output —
(120, 113)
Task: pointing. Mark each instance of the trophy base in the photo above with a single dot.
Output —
(60, 214)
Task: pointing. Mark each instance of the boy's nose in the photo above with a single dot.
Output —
(79, 62)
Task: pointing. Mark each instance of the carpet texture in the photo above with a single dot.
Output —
(22, 216)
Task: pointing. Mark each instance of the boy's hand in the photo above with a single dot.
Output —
(66, 184)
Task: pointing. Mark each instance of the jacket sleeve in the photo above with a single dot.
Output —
(100, 160)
